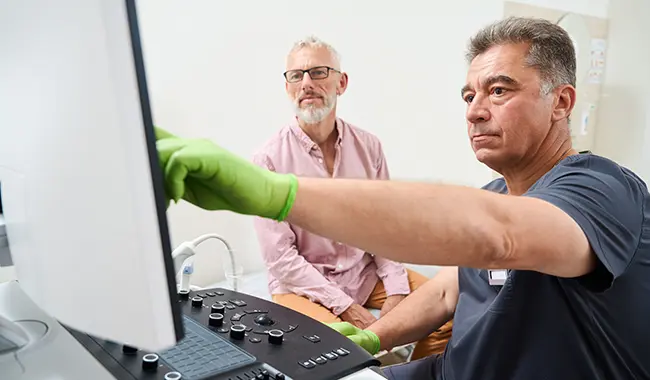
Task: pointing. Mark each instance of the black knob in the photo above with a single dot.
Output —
(197, 302)
(128, 350)
(218, 308)
(172, 376)
(150, 362)
(184, 294)
(276, 336)
(215, 319)
(237, 332)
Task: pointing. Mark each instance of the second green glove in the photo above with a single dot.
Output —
(368, 340)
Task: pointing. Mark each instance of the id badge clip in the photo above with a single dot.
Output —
(497, 276)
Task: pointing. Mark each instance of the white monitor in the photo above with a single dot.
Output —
(82, 189)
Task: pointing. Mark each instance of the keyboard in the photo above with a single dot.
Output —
(202, 353)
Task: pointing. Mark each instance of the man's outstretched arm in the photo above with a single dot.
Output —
(408, 222)
(443, 225)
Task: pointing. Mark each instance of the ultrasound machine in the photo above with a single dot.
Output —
(84, 215)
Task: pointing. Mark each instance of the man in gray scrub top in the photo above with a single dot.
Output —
(547, 270)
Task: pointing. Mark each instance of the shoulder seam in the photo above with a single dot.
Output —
(644, 226)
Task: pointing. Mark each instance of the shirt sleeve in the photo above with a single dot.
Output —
(609, 205)
(392, 274)
(283, 260)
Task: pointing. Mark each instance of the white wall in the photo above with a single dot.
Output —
(7, 274)
(595, 8)
(623, 131)
(214, 70)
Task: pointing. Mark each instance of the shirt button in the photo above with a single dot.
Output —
(340, 266)
(320, 160)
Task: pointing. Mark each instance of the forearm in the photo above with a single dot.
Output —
(407, 222)
(418, 315)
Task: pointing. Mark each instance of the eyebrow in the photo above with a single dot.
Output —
(491, 81)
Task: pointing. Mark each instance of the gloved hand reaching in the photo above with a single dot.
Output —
(367, 339)
(210, 177)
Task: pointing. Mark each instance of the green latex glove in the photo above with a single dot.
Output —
(367, 339)
(210, 177)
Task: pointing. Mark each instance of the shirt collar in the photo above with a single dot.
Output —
(307, 142)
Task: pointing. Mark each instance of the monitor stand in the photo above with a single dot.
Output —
(34, 345)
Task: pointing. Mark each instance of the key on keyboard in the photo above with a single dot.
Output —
(202, 353)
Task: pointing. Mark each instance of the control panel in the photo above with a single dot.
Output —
(235, 336)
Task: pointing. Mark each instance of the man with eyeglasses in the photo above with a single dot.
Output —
(321, 278)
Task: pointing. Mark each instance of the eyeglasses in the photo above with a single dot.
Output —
(315, 73)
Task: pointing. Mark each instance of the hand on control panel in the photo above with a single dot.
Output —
(367, 339)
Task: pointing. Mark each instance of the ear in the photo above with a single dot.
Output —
(342, 85)
(565, 100)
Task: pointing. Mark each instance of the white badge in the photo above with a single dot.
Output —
(497, 276)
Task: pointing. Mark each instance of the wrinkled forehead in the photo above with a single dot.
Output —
(308, 57)
(506, 63)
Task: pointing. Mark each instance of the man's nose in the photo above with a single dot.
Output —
(307, 82)
(477, 110)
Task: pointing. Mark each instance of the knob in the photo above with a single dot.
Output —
(215, 319)
(184, 294)
(172, 376)
(150, 362)
(197, 302)
(237, 332)
(128, 350)
(279, 376)
(275, 336)
(218, 308)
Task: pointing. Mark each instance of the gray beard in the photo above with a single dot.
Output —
(314, 115)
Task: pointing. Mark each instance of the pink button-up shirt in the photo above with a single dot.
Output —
(325, 271)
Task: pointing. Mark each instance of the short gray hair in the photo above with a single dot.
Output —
(551, 49)
(314, 42)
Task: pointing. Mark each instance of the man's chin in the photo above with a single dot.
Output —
(312, 116)
(486, 156)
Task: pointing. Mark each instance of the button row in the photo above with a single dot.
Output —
(324, 358)
(210, 294)
(312, 338)
(184, 294)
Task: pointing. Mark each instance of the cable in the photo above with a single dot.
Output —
(188, 249)
(205, 237)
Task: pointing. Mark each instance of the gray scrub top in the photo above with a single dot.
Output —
(537, 326)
